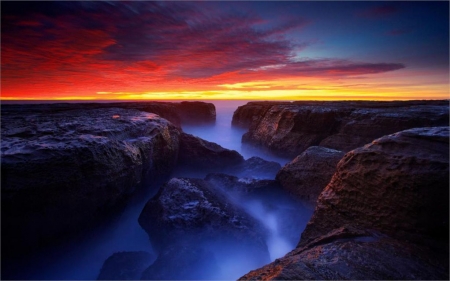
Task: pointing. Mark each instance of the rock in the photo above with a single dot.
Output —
(63, 171)
(398, 185)
(192, 223)
(183, 261)
(284, 216)
(309, 173)
(355, 257)
(177, 113)
(256, 168)
(384, 215)
(196, 112)
(185, 207)
(243, 186)
(288, 129)
(249, 115)
(198, 154)
(125, 266)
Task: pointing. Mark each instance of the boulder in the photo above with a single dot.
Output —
(63, 171)
(287, 129)
(309, 173)
(199, 154)
(193, 224)
(256, 168)
(192, 207)
(254, 188)
(384, 215)
(125, 266)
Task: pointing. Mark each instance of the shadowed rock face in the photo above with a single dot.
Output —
(192, 224)
(199, 154)
(288, 129)
(384, 215)
(125, 266)
(193, 206)
(307, 175)
(64, 170)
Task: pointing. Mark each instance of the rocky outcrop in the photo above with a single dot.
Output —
(384, 215)
(191, 206)
(243, 186)
(198, 154)
(196, 112)
(177, 113)
(256, 168)
(64, 170)
(125, 266)
(309, 173)
(191, 223)
(288, 129)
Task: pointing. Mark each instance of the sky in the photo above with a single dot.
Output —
(139, 50)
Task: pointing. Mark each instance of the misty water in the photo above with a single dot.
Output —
(82, 257)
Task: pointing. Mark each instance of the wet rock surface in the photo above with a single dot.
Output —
(309, 173)
(125, 266)
(64, 170)
(384, 215)
(288, 129)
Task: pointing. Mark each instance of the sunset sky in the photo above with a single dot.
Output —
(224, 50)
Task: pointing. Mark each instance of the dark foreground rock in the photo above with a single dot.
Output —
(199, 154)
(384, 215)
(192, 223)
(65, 170)
(288, 129)
(309, 173)
(125, 266)
(185, 207)
(255, 168)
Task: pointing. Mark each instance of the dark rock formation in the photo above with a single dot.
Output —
(196, 112)
(186, 207)
(384, 215)
(266, 200)
(177, 113)
(287, 129)
(125, 266)
(192, 224)
(198, 154)
(243, 186)
(64, 170)
(183, 261)
(255, 167)
(307, 175)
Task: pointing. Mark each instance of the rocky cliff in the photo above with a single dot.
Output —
(384, 215)
(288, 129)
(64, 170)
(67, 166)
(176, 112)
